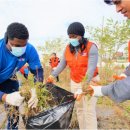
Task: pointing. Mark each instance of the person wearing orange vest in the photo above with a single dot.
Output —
(81, 56)
(24, 71)
(54, 61)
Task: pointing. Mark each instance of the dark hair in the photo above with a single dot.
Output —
(82, 45)
(76, 28)
(17, 30)
(54, 53)
(110, 2)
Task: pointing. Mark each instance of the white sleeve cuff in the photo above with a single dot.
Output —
(97, 91)
(79, 91)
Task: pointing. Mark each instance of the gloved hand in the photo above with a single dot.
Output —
(33, 101)
(14, 99)
(94, 90)
(119, 77)
(22, 108)
(50, 79)
(78, 94)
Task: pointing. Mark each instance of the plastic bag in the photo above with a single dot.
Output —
(55, 118)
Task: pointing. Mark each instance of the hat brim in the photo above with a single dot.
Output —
(109, 2)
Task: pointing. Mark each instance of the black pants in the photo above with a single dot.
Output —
(9, 86)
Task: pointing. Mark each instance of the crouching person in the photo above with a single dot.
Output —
(15, 52)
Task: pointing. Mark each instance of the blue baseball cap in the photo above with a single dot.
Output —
(110, 2)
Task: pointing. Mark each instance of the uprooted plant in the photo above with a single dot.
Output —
(45, 98)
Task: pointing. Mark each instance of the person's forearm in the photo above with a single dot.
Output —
(38, 74)
(118, 91)
(92, 62)
(59, 68)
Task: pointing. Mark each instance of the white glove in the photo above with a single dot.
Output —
(33, 101)
(22, 108)
(79, 91)
(14, 99)
(78, 94)
(97, 91)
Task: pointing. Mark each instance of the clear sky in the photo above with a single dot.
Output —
(47, 19)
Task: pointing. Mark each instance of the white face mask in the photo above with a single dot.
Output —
(18, 51)
(74, 42)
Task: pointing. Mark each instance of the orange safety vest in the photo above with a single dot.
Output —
(22, 69)
(129, 51)
(78, 64)
(54, 62)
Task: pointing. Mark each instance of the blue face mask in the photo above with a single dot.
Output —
(18, 51)
(74, 42)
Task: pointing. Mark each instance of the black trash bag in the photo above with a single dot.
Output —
(58, 117)
(60, 95)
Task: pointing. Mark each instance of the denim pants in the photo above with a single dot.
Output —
(9, 86)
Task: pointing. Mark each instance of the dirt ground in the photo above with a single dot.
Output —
(108, 118)
(109, 115)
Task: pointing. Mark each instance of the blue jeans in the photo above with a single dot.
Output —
(9, 86)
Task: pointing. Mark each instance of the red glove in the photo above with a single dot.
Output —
(50, 79)
(89, 90)
(119, 77)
